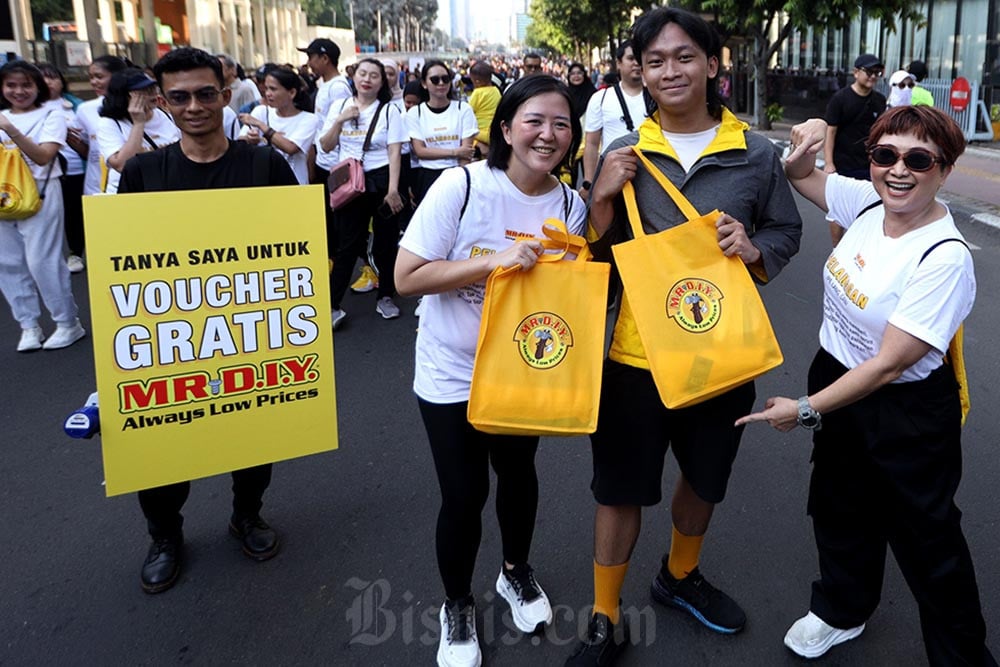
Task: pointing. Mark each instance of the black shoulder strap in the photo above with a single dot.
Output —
(626, 116)
(874, 204)
(371, 129)
(929, 250)
(468, 188)
(567, 201)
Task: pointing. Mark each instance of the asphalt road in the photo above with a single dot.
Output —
(356, 582)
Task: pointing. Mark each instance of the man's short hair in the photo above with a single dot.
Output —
(533, 56)
(624, 46)
(185, 59)
(481, 70)
(226, 60)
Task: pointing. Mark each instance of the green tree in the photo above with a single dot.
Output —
(50, 11)
(573, 26)
(755, 19)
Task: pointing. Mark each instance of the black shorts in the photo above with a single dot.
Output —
(634, 430)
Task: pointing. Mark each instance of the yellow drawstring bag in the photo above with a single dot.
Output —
(19, 198)
(699, 316)
(541, 343)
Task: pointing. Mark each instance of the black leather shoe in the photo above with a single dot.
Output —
(259, 541)
(162, 565)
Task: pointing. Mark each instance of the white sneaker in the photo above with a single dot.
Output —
(811, 637)
(64, 336)
(528, 603)
(337, 317)
(387, 309)
(75, 264)
(459, 643)
(31, 339)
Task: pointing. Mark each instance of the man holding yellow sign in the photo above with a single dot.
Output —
(191, 82)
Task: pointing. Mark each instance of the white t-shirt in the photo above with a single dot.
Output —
(496, 216)
(88, 117)
(389, 129)
(330, 93)
(231, 123)
(74, 163)
(407, 147)
(112, 135)
(43, 125)
(689, 147)
(605, 115)
(300, 129)
(871, 280)
(443, 130)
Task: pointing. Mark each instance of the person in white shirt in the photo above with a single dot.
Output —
(442, 131)
(131, 122)
(244, 90)
(613, 112)
(89, 116)
(31, 262)
(884, 402)
(281, 122)
(470, 223)
(347, 128)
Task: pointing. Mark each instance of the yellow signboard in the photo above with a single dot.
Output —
(211, 331)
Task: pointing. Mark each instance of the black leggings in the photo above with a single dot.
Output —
(462, 458)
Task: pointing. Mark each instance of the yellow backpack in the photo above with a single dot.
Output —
(19, 196)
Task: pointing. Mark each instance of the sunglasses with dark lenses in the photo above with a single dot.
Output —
(915, 159)
(873, 72)
(180, 98)
(439, 80)
(904, 84)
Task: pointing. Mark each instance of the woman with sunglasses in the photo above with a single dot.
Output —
(900, 89)
(469, 225)
(346, 127)
(883, 402)
(442, 130)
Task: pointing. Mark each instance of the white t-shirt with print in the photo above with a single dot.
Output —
(407, 147)
(442, 130)
(112, 135)
(604, 114)
(43, 125)
(88, 116)
(497, 214)
(871, 280)
(300, 129)
(74, 163)
(389, 129)
(330, 93)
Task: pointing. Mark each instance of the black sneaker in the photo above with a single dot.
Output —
(713, 608)
(604, 643)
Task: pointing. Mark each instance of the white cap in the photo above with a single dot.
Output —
(899, 76)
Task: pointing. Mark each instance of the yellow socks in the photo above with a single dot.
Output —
(684, 553)
(608, 580)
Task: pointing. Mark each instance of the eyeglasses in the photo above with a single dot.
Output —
(915, 159)
(180, 98)
(439, 80)
(877, 73)
(905, 84)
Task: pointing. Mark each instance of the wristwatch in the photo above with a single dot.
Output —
(808, 417)
(585, 185)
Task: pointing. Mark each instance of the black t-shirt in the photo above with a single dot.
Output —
(235, 169)
(853, 116)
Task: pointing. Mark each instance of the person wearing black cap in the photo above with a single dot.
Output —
(920, 96)
(850, 114)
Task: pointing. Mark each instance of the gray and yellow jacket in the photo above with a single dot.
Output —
(739, 173)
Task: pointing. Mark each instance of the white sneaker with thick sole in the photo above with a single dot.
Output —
(387, 309)
(64, 336)
(529, 605)
(75, 264)
(31, 339)
(459, 643)
(811, 636)
(337, 317)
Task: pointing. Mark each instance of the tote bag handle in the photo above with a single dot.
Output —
(559, 238)
(689, 211)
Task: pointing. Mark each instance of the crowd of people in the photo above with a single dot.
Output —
(462, 164)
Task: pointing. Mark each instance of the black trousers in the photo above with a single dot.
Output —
(350, 231)
(885, 473)
(462, 458)
(72, 192)
(162, 505)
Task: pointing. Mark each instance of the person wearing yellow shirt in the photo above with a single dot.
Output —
(484, 100)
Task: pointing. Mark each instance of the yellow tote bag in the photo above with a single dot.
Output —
(19, 198)
(699, 316)
(541, 343)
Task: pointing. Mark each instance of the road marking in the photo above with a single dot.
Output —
(978, 173)
(987, 219)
